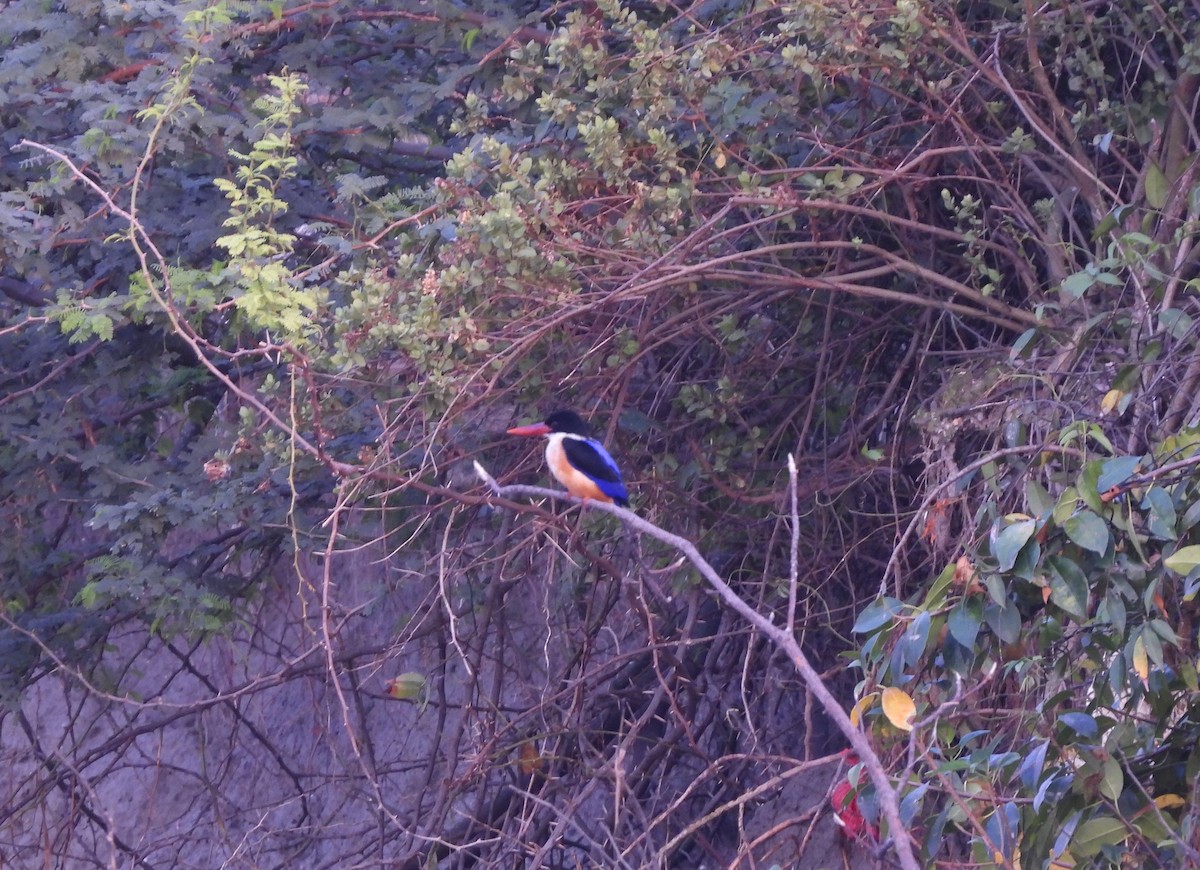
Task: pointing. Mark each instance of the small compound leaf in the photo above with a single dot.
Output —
(899, 708)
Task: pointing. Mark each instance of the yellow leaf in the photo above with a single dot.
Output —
(720, 159)
(1141, 662)
(1169, 801)
(406, 687)
(864, 704)
(899, 708)
(1110, 401)
(1065, 861)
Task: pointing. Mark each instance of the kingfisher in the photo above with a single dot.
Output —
(578, 462)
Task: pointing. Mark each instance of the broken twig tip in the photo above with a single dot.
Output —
(484, 476)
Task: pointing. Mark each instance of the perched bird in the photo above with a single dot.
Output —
(578, 462)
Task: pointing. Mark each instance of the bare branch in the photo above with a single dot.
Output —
(783, 640)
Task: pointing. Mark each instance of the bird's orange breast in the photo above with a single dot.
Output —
(576, 482)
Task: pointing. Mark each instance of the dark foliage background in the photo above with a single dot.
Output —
(272, 276)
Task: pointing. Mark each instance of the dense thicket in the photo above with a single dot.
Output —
(272, 277)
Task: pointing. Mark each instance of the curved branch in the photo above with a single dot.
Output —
(784, 640)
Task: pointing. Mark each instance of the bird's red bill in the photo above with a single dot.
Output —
(534, 429)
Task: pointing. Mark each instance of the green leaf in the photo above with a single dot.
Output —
(1051, 788)
(1184, 560)
(1021, 343)
(1088, 531)
(1081, 723)
(912, 802)
(1107, 224)
(878, 613)
(1031, 768)
(1005, 620)
(1068, 587)
(1175, 322)
(88, 595)
(1095, 834)
(1077, 284)
(1116, 470)
(1039, 500)
(1086, 486)
(912, 643)
(1002, 827)
(1157, 187)
(406, 687)
(1113, 612)
(937, 592)
(1164, 631)
(1161, 516)
(1008, 543)
(1113, 781)
(1191, 585)
(964, 622)
(1191, 516)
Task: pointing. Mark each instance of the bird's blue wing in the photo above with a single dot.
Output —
(592, 459)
